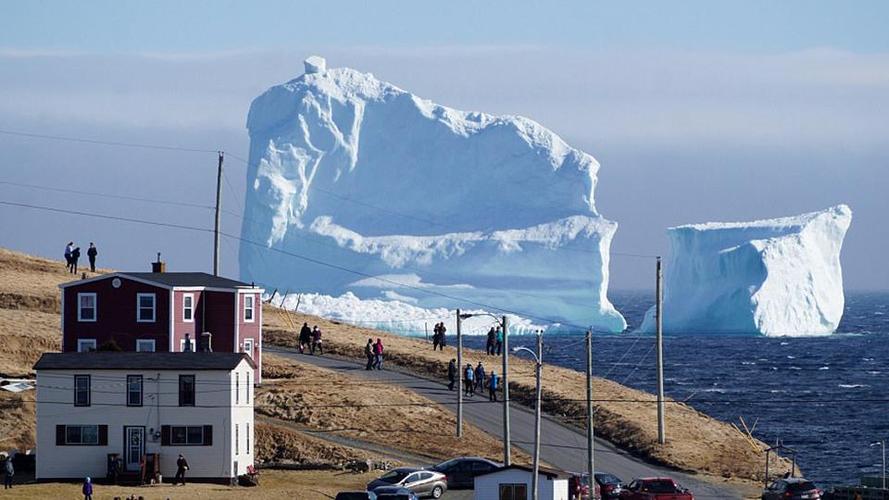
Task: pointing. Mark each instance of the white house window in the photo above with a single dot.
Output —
(145, 305)
(188, 307)
(249, 384)
(248, 438)
(86, 307)
(248, 308)
(81, 435)
(145, 345)
(237, 388)
(237, 439)
(186, 435)
(134, 390)
(191, 342)
(186, 390)
(81, 390)
(86, 345)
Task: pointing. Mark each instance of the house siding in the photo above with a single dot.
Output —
(194, 328)
(251, 330)
(214, 405)
(116, 315)
(488, 486)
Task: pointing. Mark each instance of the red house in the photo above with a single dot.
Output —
(158, 311)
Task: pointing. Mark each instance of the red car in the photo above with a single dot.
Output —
(655, 488)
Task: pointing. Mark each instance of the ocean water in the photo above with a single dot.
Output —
(827, 397)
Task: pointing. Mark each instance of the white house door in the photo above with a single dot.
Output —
(134, 447)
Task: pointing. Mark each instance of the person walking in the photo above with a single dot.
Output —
(498, 339)
(480, 377)
(75, 256)
(181, 467)
(442, 338)
(369, 353)
(87, 489)
(378, 354)
(8, 473)
(68, 249)
(469, 380)
(493, 380)
(316, 340)
(305, 333)
(91, 253)
(452, 374)
(489, 347)
(435, 336)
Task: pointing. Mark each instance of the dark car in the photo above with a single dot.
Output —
(461, 471)
(356, 495)
(655, 488)
(610, 485)
(421, 481)
(792, 488)
(395, 493)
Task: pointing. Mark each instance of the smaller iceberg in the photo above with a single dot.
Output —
(776, 277)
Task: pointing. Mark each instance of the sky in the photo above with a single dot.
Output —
(697, 111)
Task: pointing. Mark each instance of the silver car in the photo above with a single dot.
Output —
(425, 483)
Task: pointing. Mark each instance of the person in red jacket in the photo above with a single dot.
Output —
(378, 354)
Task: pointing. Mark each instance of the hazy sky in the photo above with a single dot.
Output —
(697, 111)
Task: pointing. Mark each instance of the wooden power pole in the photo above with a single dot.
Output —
(659, 316)
(218, 213)
(459, 376)
(590, 442)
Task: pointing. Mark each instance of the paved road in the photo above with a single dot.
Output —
(561, 446)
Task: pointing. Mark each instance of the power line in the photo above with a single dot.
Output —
(106, 143)
(104, 216)
(107, 195)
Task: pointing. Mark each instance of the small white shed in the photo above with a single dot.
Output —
(514, 483)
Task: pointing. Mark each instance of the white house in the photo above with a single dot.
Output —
(514, 483)
(137, 404)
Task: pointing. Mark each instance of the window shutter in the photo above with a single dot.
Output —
(208, 435)
(60, 435)
(165, 435)
(103, 435)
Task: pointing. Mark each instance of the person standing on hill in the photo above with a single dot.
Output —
(493, 380)
(452, 374)
(8, 473)
(68, 249)
(369, 353)
(316, 340)
(435, 336)
(480, 377)
(442, 340)
(305, 333)
(378, 354)
(498, 339)
(91, 252)
(75, 256)
(489, 347)
(469, 380)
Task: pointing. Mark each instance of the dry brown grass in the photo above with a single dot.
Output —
(274, 485)
(277, 443)
(322, 399)
(696, 442)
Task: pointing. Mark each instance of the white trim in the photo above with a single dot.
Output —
(170, 346)
(95, 307)
(153, 345)
(191, 341)
(237, 346)
(83, 341)
(252, 308)
(191, 296)
(258, 362)
(153, 307)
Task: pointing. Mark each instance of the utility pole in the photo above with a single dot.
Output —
(218, 212)
(659, 312)
(535, 480)
(459, 376)
(507, 440)
(591, 464)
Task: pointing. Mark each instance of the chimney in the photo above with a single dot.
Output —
(158, 267)
(206, 342)
(187, 347)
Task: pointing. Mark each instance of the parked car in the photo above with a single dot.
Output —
(792, 488)
(610, 485)
(395, 493)
(422, 482)
(356, 495)
(579, 487)
(654, 488)
(461, 471)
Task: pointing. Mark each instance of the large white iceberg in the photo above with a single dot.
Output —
(774, 277)
(439, 207)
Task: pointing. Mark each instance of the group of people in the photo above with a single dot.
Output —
(72, 255)
(438, 336)
(374, 353)
(310, 338)
(474, 379)
(495, 342)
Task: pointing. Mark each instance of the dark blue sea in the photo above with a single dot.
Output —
(825, 397)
